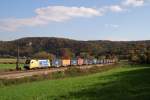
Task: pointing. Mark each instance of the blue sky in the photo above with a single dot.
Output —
(75, 19)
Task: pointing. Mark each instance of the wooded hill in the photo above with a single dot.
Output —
(57, 46)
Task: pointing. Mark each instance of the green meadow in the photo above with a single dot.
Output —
(10, 63)
(9, 66)
(125, 82)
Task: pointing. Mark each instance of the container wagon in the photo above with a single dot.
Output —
(65, 62)
(56, 62)
(85, 62)
(74, 62)
(44, 63)
(80, 61)
(90, 62)
(94, 61)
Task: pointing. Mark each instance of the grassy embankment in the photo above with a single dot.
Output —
(121, 83)
(9, 63)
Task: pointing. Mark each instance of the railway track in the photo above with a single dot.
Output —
(28, 73)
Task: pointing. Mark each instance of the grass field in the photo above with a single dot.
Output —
(9, 66)
(121, 83)
(10, 60)
(9, 63)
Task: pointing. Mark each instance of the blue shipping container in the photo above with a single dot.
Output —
(44, 63)
(74, 62)
(56, 63)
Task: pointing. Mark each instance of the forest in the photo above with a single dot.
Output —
(51, 47)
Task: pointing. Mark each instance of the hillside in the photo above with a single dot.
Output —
(31, 45)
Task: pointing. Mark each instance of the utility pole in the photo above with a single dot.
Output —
(17, 63)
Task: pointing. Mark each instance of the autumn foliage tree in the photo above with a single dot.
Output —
(140, 55)
(66, 53)
(44, 55)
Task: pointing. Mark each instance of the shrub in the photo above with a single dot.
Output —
(59, 74)
(73, 71)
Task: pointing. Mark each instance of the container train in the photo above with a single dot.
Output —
(46, 63)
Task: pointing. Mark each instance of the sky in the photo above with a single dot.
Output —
(116, 20)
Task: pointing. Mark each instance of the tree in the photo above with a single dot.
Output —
(66, 53)
(135, 58)
(44, 55)
(84, 55)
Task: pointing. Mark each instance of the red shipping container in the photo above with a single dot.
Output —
(80, 61)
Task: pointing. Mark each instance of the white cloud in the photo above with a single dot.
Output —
(48, 14)
(134, 3)
(116, 8)
(62, 13)
(114, 26)
(111, 8)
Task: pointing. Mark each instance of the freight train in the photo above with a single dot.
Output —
(46, 63)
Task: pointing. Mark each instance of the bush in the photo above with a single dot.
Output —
(73, 71)
(59, 74)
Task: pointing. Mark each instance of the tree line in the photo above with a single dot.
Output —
(134, 51)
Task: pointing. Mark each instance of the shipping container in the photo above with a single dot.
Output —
(90, 61)
(100, 61)
(74, 62)
(107, 61)
(44, 63)
(94, 61)
(80, 61)
(56, 62)
(104, 61)
(85, 62)
(65, 62)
